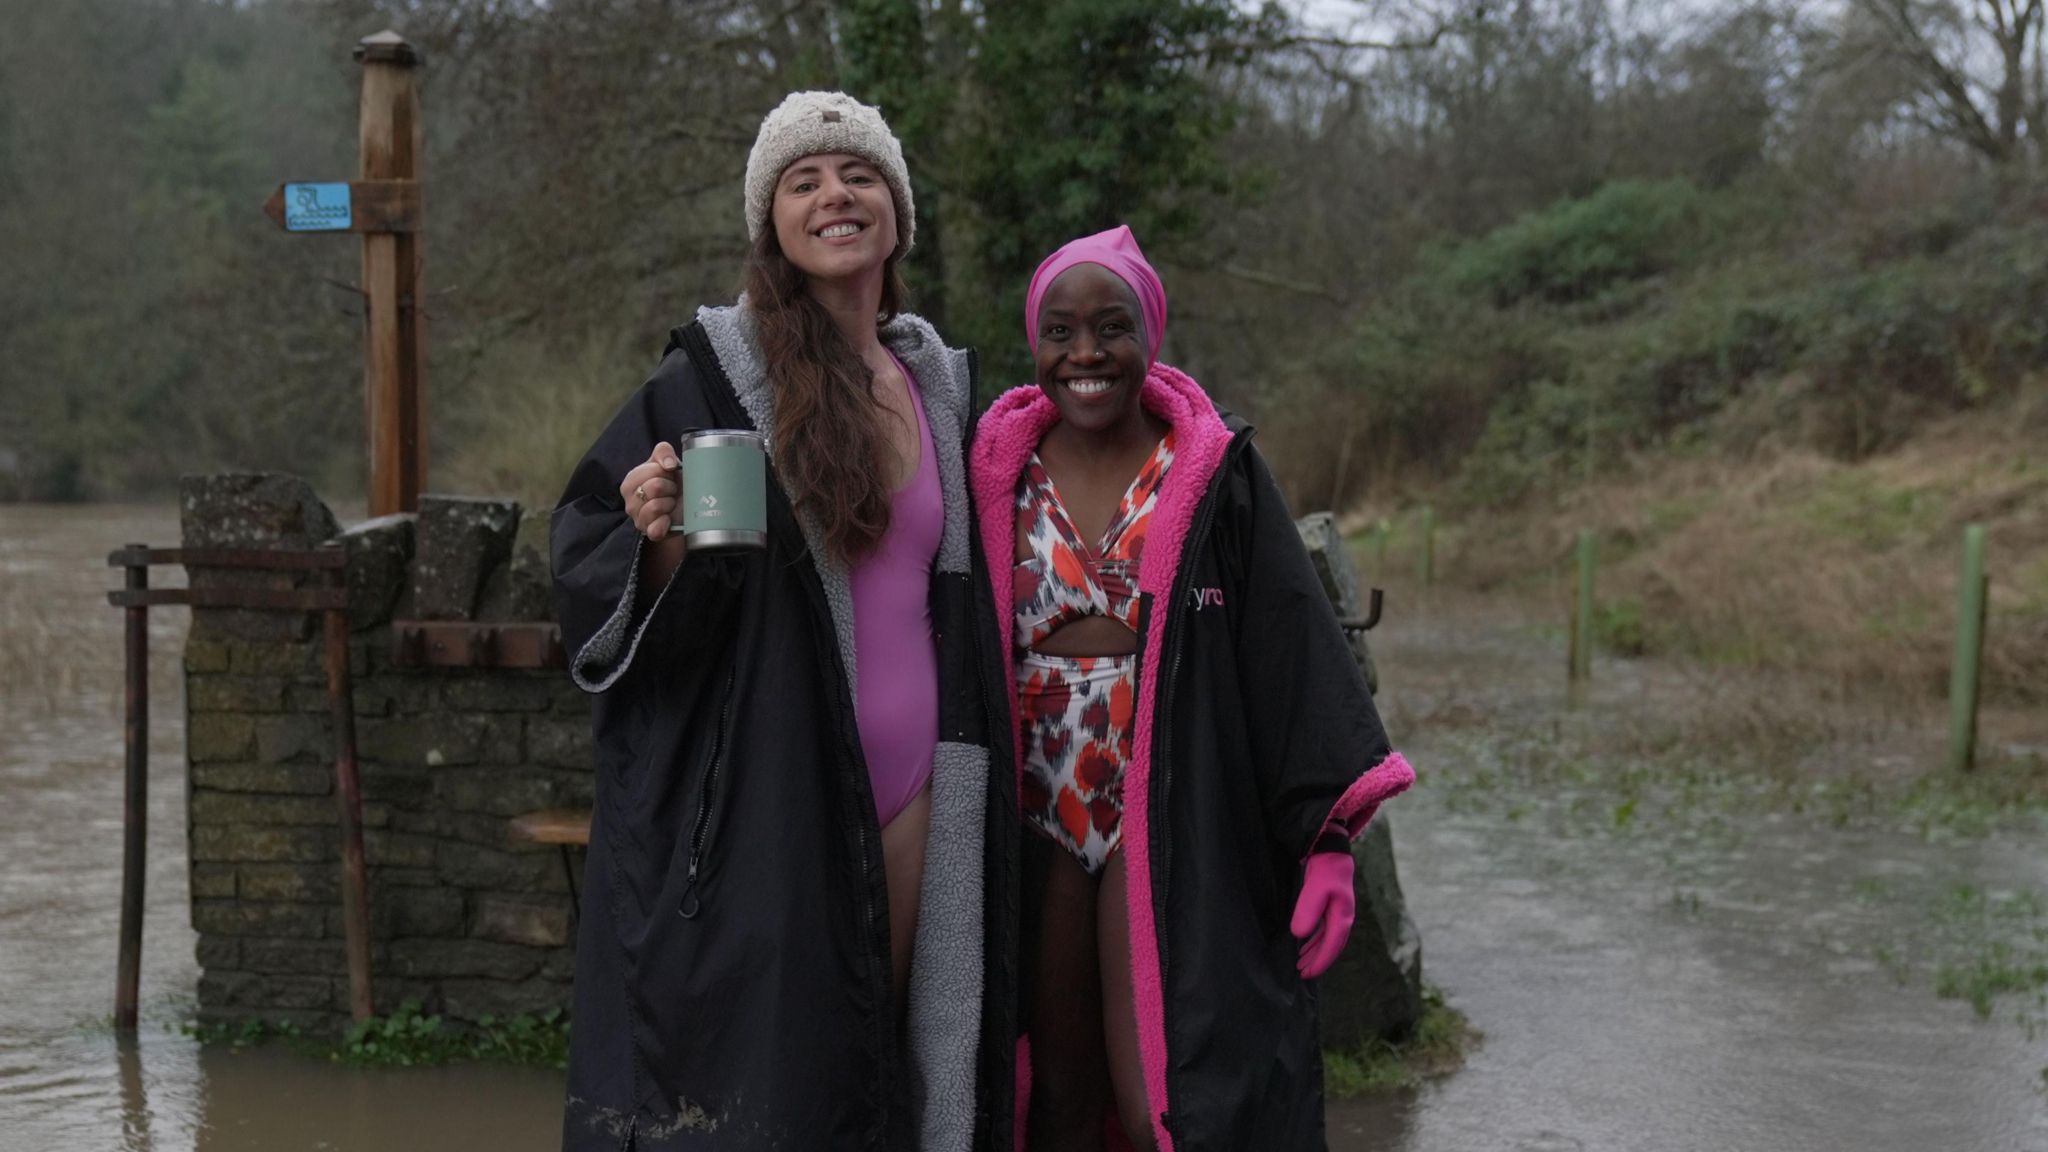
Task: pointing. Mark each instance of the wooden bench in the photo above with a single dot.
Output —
(565, 828)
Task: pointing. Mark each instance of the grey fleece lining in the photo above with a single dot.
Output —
(603, 650)
(946, 974)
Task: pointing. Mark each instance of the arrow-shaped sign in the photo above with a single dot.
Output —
(357, 206)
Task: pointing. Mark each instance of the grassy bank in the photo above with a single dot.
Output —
(1778, 422)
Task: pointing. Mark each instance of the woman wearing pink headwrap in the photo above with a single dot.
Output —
(1195, 745)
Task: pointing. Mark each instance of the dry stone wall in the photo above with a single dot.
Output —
(462, 918)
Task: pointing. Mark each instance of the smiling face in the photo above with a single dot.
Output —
(834, 216)
(1091, 357)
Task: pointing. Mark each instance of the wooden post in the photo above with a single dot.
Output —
(394, 331)
(348, 793)
(1581, 669)
(134, 806)
(1972, 596)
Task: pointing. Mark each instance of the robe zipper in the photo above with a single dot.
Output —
(700, 839)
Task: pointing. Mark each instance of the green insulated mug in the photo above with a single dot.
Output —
(724, 501)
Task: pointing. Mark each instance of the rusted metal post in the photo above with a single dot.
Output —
(348, 793)
(394, 333)
(134, 805)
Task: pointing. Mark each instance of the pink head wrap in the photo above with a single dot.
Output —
(1116, 250)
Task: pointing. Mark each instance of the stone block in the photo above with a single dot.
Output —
(214, 692)
(307, 883)
(498, 692)
(556, 741)
(258, 808)
(1374, 991)
(382, 878)
(398, 786)
(536, 923)
(294, 738)
(475, 866)
(214, 736)
(522, 588)
(392, 992)
(459, 541)
(363, 701)
(380, 553)
(391, 849)
(282, 779)
(560, 965)
(297, 957)
(274, 659)
(251, 510)
(414, 912)
(206, 656)
(475, 828)
(494, 791)
(575, 789)
(428, 740)
(218, 953)
(483, 959)
(1331, 559)
(213, 881)
(238, 842)
(472, 1000)
(264, 993)
(250, 918)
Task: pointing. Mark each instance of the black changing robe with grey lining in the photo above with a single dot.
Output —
(732, 964)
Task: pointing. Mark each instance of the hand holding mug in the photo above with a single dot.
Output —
(650, 492)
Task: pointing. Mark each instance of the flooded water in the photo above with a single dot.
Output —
(65, 1081)
(1688, 974)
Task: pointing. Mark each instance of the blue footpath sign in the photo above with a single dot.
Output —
(317, 208)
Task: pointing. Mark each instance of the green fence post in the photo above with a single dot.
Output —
(1972, 595)
(1428, 545)
(1582, 615)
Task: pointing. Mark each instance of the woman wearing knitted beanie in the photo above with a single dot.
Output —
(1196, 747)
(786, 937)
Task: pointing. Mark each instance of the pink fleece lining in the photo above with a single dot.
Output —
(1380, 783)
(1009, 431)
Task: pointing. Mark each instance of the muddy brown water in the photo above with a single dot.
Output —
(1688, 986)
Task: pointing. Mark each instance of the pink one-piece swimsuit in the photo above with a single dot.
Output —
(896, 697)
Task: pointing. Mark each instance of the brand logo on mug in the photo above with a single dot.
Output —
(710, 504)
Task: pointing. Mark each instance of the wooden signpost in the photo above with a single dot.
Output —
(385, 206)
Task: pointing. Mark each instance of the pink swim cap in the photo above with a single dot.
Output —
(1116, 250)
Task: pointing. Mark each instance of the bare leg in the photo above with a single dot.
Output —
(1119, 1007)
(903, 864)
(1069, 1076)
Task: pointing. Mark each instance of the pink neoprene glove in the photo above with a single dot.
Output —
(1323, 915)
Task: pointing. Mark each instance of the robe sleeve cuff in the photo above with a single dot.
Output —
(609, 652)
(1354, 809)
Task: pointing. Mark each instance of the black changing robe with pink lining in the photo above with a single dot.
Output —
(1255, 732)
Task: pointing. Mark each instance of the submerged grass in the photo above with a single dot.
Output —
(408, 1038)
(1438, 1048)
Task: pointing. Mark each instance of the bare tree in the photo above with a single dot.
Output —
(1969, 62)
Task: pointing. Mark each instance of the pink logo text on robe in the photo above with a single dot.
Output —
(1206, 597)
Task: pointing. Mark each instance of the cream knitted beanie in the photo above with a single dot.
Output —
(809, 123)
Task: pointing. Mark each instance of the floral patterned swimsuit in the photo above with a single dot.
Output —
(1076, 712)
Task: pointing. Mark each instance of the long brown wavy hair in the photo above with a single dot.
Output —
(830, 450)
